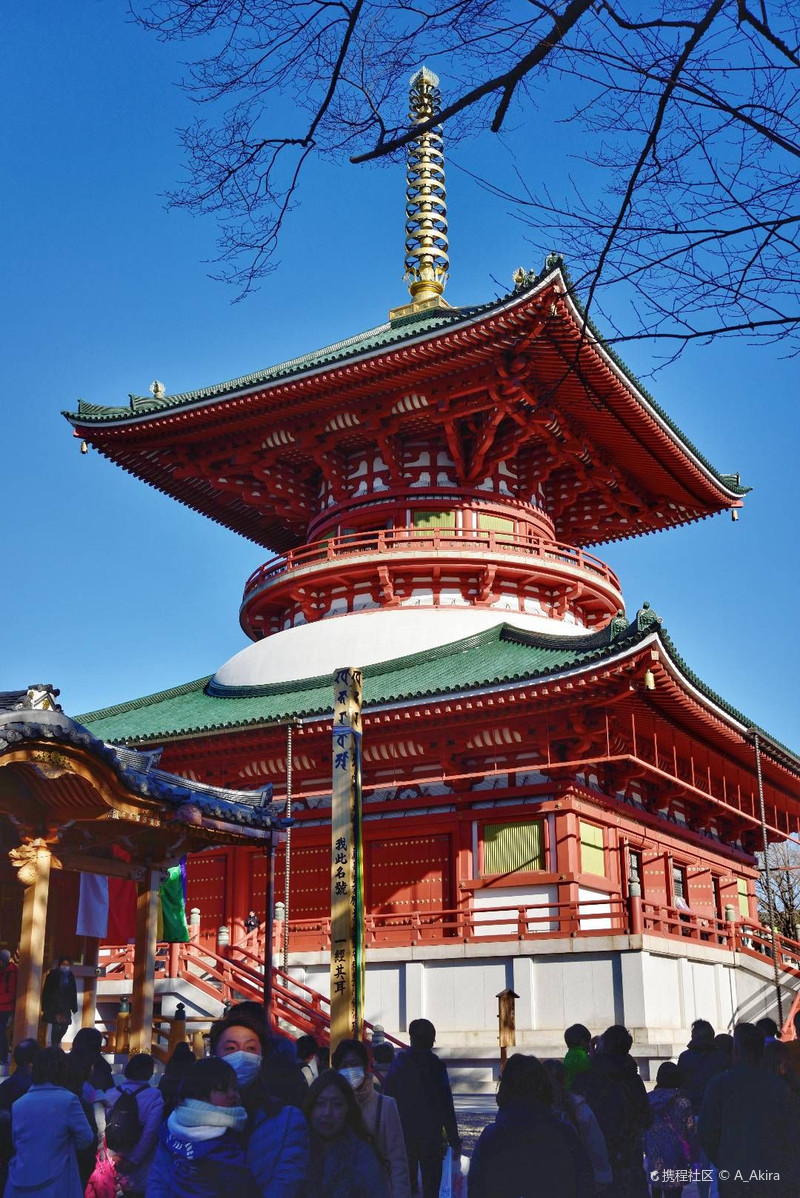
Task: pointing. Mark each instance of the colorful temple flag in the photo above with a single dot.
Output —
(93, 907)
(107, 906)
(172, 925)
(107, 909)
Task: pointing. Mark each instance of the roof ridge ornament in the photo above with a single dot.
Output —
(427, 260)
(522, 278)
(647, 619)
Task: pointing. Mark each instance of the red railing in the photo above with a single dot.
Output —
(239, 973)
(233, 978)
(739, 936)
(544, 920)
(419, 540)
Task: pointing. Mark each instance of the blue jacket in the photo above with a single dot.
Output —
(529, 1152)
(346, 1167)
(48, 1126)
(184, 1167)
(277, 1153)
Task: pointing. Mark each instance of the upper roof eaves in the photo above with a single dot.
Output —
(395, 333)
(377, 338)
(729, 481)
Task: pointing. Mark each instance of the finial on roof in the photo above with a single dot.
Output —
(427, 259)
(157, 389)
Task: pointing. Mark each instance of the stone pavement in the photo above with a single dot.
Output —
(474, 1111)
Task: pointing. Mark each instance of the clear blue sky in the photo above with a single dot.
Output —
(111, 590)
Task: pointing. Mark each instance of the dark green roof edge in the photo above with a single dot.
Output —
(174, 692)
(394, 332)
(590, 647)
(729, 481)
(389, 333)
(586, 650)
(779, 750)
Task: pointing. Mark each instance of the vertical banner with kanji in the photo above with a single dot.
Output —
(347, 883)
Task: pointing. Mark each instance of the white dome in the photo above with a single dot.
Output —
(364, 638)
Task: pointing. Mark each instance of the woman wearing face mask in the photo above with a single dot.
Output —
(379, 1112)
(277, 1137)
(344, 1163)
(59, 999)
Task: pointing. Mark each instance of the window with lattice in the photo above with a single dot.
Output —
(428, 521)
(744, 900)
(593, 858)
(513, 848)
(489, 523)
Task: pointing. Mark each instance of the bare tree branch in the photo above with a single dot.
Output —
(688, 115)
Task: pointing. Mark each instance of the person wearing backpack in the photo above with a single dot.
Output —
(133, 1125)
(615, 1092)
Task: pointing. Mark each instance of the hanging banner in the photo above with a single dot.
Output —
(347, 883)
(172, 925)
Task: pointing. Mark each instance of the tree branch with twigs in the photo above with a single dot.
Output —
(688, 116)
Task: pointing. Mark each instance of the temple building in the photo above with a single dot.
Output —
(553, 801)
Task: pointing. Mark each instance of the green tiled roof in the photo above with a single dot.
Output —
(489, 658)
(391, 333)
(499, 656)
(373, 339)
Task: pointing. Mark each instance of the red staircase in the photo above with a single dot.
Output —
(235, 978)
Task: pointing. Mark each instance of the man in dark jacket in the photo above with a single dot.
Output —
(529, 1152)
(748, 1124)
(698, 1063)
(419, 1084)
(615, 1092)
(59, 1000)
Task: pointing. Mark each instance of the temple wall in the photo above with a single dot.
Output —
(656, 992)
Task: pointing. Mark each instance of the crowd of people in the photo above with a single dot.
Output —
(724, 1117)
(266, 1117)
(261, 1117)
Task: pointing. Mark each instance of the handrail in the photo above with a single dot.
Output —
(509, 922)
(242, 968)
(239, 974)
(421, 539)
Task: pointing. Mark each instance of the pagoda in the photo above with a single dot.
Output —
(553, 800)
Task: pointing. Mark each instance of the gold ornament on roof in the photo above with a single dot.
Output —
(427, 260)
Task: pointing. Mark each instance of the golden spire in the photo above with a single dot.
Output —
(426, 201)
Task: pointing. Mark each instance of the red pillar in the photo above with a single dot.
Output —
(238, 891)
(568, 866)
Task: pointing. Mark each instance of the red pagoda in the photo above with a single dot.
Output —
(553, 800)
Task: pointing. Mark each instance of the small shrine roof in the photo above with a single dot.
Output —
(498, 658)
(138, 772)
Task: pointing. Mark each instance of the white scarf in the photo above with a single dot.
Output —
(196, 1120)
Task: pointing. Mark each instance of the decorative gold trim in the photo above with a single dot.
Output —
(427, 260)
